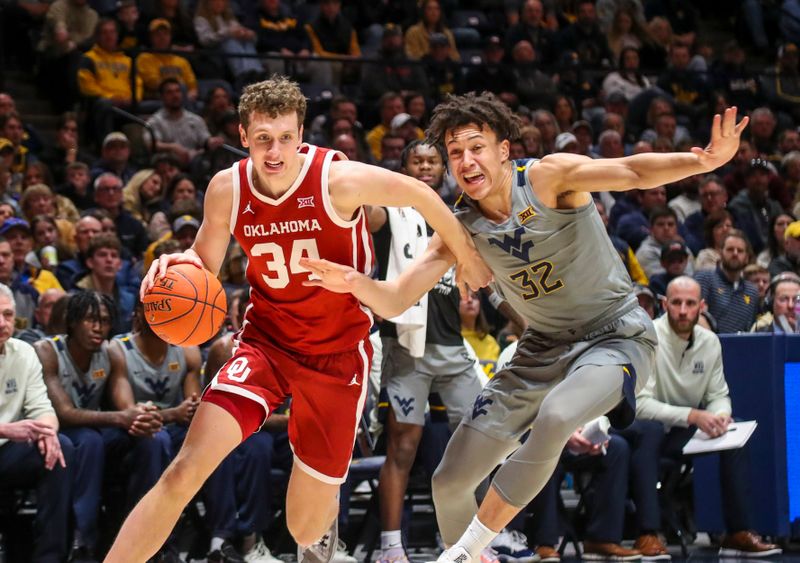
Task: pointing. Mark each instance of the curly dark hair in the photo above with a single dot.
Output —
(86, 305)
(473, 109)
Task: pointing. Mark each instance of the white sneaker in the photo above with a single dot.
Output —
(260, 554)
(512, 546)
(392, 555)
(341, 555)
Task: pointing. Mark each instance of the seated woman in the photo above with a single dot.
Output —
(417, 39)
(180, 188)
(143, 194)
(628, 80)
(39, 199)
(475, 329)
(715, 228)
(47, 243)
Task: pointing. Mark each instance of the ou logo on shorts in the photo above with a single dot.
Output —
(238, 370)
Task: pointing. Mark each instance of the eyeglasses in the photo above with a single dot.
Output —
(712, 193)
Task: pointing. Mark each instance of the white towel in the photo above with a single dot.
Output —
(409, 240)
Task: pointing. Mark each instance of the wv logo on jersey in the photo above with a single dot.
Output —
(514, 245)
(84, 392)
(305, 202)
(159, 387)
(406, 405)
(480, 405)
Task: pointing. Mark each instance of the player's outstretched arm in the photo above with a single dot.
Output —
(211, 243)
(565, 173)
(385, 298)
(353, 184)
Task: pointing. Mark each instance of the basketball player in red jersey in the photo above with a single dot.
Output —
(285, 203)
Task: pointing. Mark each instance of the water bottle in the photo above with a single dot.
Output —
(49, 256)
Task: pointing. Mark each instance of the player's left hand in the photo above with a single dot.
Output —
(724, 143)
(330, 275)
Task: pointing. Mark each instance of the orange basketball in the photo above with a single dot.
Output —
(187, 306)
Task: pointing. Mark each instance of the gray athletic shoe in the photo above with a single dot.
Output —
(325, 548)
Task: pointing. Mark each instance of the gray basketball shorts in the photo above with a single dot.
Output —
(408, 381)
(509, 403)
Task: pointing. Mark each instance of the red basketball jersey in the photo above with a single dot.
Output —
(275, 234)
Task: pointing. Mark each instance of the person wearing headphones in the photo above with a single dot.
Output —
(781, 304)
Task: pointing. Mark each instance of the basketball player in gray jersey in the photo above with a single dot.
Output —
(588, 346)
(446, 368)
(81, 371)
(162, 374)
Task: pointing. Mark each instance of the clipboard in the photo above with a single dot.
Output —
(736, 437)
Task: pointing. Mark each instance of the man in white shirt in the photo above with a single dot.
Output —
(32, 452)
(688, 391)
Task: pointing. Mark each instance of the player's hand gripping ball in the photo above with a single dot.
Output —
(187, 306)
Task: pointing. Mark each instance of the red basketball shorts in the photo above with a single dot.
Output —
(328, 393)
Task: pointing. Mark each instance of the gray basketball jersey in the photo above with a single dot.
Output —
(162, 385)
(557, 268)
(85, 389)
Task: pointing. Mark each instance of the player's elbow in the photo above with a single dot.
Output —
(388, 310)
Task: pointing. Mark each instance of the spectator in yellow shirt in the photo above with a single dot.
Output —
(154, 68)
(18, 234)
(105, 78)
(390, 105)
(475, 329)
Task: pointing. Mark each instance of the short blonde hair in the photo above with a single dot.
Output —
(273, 97)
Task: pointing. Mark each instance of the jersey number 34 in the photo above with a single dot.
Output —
(277, 267)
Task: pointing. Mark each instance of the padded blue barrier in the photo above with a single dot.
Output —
(763, 373)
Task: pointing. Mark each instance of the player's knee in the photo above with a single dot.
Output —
(557, 422)
(182, 478)
(404, 452)
(446, 482)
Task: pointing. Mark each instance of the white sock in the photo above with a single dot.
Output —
(391, 539)
(476, 538)
(216, 543)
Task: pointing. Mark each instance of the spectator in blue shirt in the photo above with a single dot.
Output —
(731, 300)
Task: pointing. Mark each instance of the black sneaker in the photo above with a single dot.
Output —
(225, 554)
(167, 555)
